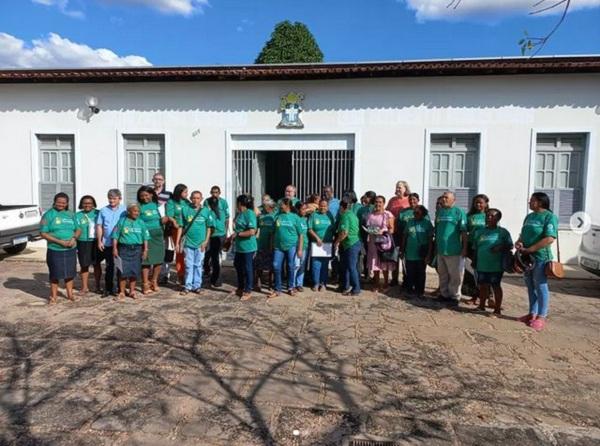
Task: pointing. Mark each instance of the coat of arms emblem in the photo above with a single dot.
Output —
(290, 108)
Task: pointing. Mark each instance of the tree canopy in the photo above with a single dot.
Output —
(290, 43)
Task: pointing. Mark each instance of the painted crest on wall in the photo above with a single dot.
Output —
(290, 108)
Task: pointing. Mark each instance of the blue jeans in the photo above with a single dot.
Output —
(193, 268)
(319, 267)
(244, 267)
(537, 288)
(349, 270)
(278, 258)
(300, 272)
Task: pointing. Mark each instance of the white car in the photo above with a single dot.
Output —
(589, 251)
(19, 224)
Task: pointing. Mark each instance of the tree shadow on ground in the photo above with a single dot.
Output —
(38, 286)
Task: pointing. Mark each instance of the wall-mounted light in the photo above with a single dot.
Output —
(92, 102)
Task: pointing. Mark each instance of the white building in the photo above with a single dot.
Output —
(504, 127)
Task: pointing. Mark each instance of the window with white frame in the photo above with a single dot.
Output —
(559, 171)
(144, 156)
(57, 171)
(453, 162)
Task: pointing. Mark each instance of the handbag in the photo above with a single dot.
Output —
(555, 269)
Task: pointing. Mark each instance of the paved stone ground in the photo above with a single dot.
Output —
(213, 370)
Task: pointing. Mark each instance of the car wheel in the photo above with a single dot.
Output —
(16, 248)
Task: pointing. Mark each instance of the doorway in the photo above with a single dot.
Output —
(269, 171)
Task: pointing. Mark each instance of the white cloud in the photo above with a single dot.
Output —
(62, 6)
(55, 51)
(486, 9)
(176, 7)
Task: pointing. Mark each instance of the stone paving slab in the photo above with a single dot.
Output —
(213, 370)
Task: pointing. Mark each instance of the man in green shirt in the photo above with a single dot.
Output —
(290, 193)
(490, 244)
(348, 242)
(220, 214)
(451, 243)
(196, 230)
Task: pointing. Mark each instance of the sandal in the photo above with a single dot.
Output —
(246, 296)
(154, 286)
(292, 292)
(273, 295)
(183, 292)
(52, 301)
(119, 297)
(146, 289)
(133, 296)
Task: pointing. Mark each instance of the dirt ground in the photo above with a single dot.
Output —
(210, 369)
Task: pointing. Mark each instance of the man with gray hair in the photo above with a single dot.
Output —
(451, 243)
(107, 218)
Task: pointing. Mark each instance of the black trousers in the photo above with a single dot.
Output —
(415, 275)
(212, 260)
(109, 272)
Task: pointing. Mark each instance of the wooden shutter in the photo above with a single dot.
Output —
(57, 168)
(144, 156)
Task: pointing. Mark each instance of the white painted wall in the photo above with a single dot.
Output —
(389, 120)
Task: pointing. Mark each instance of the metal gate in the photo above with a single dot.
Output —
(311, 170)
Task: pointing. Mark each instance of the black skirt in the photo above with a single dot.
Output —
(61, 264)
(131, 260)
(88, 253)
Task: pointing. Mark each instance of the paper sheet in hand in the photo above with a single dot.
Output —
(119, 264)
(325, 250)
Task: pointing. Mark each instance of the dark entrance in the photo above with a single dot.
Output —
(278, 172)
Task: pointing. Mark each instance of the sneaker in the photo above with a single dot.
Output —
(538, 324)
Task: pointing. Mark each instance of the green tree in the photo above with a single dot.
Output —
(290, 43)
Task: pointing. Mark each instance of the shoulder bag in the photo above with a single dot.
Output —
(555, 269)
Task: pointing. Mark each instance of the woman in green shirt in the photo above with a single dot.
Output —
(287, 245)
(540, 230)
(150, 215)
(417, 247)
(212, 261)
(244, 238)
(173, 210)
(88, 253)
(59, 229)
(130, 244)
(475, 221)
(301, 210)
(348, 241)
(320, 229)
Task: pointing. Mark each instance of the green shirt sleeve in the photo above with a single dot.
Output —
(145, 232)
(463, 220)
(551, 226)
(45, 222)
(116, 233)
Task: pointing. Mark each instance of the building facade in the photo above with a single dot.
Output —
(503, 127)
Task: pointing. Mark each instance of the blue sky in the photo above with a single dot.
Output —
(35, 33)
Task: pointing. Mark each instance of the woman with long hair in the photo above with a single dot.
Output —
(149, 214)
(539, 231)
(476, 218)
(174, 210)
(217, 239)
(87, 245)
(244, 237)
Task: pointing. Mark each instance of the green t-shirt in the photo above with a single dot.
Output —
(449, 224)
(196, 234)
(404, 217)
(173, 209)
(86, 223)
(150, 215)
(349, 225)
(244, 221)
(219, 222)
(130, 232)
(418, 234)
(287, 231)
(266, 228)
(539, 225)
(475, 222)
(304, 228)
(322, 225)
(483, 242)
(60, 225)
(356, 207)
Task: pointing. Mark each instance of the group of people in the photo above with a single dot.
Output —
(298, 242)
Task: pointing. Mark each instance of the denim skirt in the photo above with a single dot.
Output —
(61, 264)
(131, 259)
